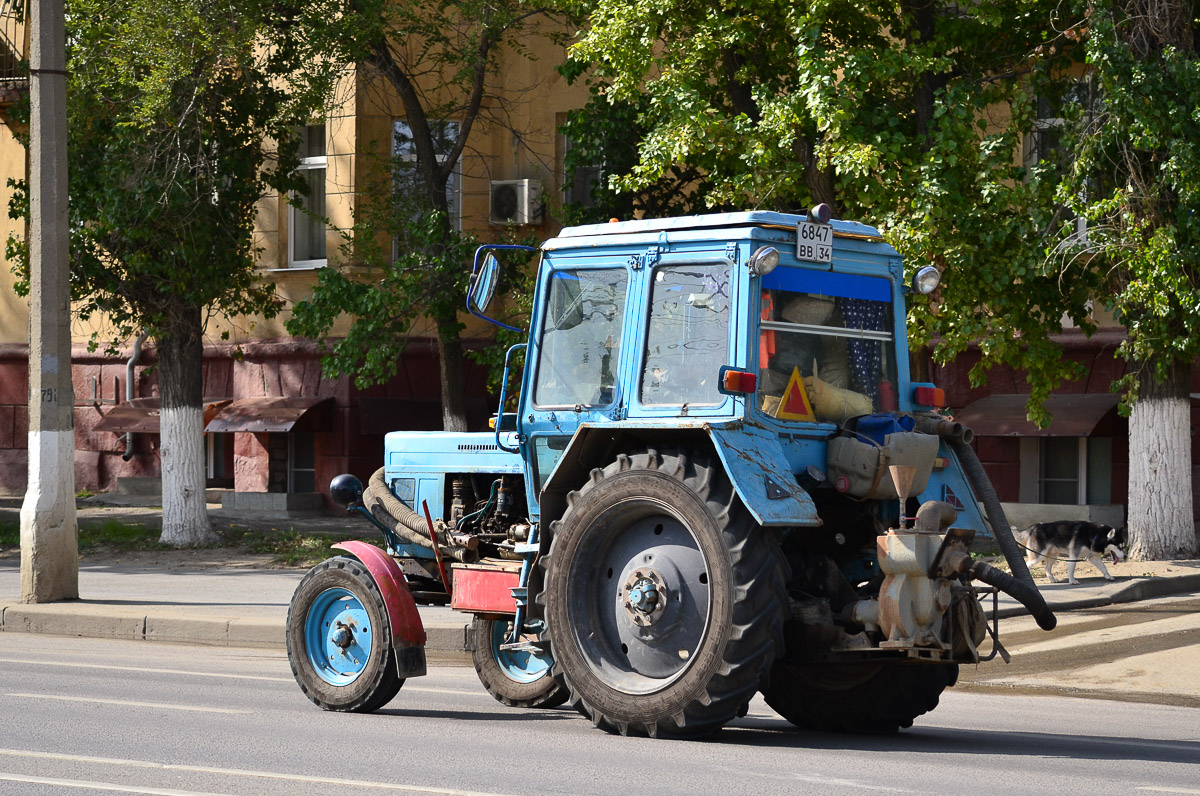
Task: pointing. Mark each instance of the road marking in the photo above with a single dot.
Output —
(143, 669)
(790, 776)
(429, 690)
(1164, 789)
(236, 772)
(124, 703)
(91, 785)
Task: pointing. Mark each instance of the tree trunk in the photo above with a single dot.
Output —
(1160, 471)
(454, 406)
(180, 363)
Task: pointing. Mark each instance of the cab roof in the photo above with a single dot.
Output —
(760, 218)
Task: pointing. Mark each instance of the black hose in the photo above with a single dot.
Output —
(1027, 594)
(1003, 533)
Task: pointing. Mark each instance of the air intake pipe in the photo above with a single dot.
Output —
(1020, 584)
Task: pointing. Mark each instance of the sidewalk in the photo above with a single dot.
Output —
(227, 607)
(248, 607)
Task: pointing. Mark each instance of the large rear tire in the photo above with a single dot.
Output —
(664, 600)
(339, 641)
(858, 698)
(517, 678)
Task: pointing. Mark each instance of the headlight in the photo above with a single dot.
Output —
(926, 279)
(763, 261)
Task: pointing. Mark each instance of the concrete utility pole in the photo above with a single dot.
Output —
(49, 543)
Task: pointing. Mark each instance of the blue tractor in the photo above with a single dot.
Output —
(719, 480)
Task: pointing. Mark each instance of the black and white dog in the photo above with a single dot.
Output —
(1072, 541)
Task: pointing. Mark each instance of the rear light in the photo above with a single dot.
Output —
(734, 382)
(928, 395)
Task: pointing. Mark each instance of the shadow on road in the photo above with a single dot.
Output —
(945, 741)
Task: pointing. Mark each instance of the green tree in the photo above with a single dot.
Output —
(439, 62)
(905, 114)
(1136, 178)
(168, 108)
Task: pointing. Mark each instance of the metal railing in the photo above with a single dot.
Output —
(14, 41)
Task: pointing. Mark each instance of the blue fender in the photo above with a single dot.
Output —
(408, 631)
(760, 473)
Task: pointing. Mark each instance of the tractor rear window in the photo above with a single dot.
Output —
(581, 338)
(688, 336)
(826, 351)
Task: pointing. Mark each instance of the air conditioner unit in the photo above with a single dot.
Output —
(516, 202)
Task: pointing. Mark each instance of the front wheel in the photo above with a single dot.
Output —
(664, 600)
(859, 697)
(517, 678)
(339, 642)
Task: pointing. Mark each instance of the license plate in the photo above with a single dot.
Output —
(814, 242)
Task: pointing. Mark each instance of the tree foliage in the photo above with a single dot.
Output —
(438, 62)
(908, 115)
(1136, 178)
(169, 106)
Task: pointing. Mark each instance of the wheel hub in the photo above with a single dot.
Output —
(645, 596)
(343, 636)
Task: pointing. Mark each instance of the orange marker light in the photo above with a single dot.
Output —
(738, 381)
(929, 396)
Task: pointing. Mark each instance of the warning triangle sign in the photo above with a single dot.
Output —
(795, 404)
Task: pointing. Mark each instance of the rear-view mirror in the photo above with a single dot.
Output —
(483, 284)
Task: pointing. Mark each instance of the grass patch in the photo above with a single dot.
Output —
(10, 533)
(119, 536)
(291, 547)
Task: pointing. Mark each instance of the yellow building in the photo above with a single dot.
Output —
(277, 429)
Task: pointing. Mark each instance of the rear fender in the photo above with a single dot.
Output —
(408, 632)
(760, 473)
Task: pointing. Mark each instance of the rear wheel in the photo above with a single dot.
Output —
(664, 601)
(517, 678)
(861, 698)
(339, 641)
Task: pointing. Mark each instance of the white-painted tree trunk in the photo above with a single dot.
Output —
(1160, 479)
(185, 514)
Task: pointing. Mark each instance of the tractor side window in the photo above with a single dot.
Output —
(581, 338)
(826, 349)
(688, 336)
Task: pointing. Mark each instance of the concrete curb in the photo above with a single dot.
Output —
(203, 626)
(102, 620)
(1136, 590)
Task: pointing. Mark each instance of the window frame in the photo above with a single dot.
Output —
(454, 185)
(298, 216)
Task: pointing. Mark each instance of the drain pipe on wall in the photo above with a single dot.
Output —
(130, 392)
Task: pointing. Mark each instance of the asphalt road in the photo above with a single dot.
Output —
(99, 716)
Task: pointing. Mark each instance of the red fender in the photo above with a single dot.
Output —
(407, 628)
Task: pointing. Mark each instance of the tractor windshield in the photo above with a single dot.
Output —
(826, 348)
(581, 338)
(687, 340)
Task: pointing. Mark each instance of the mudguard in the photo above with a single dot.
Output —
(760, 473)
(408, 632)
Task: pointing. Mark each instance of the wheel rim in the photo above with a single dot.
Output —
(639, 597)
(523, 666)
(337, 634)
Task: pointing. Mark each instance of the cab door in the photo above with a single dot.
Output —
(573, 364)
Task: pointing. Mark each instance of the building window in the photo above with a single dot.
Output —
(218, 459)
(302, 462)
(404, 154)
(1072, 471)
(579, 184)
(306, 224)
